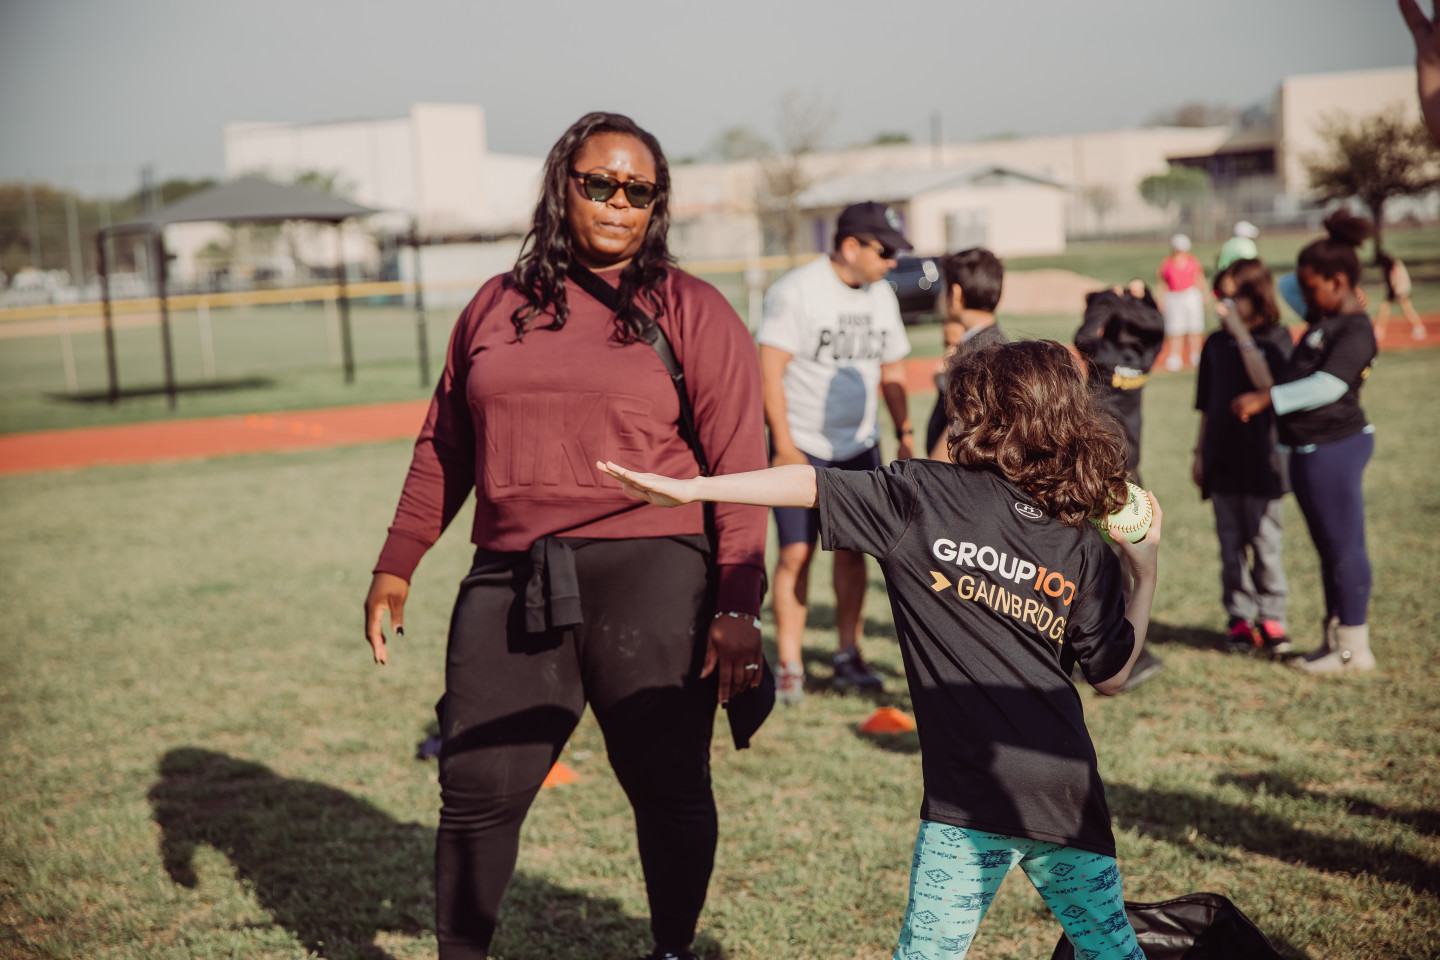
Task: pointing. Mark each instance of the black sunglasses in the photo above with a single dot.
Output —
(886, 251)
(599, 187)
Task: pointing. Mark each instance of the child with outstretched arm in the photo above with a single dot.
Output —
(998, 587)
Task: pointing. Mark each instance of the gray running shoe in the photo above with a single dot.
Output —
(790, 683)
(852, 672)
(1146, 667)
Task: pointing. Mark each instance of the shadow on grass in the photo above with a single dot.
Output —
(906, 743)
(1170, 815)
(158, 390)
(821, 616)
(336, 871)
(1425, 821)
(1170, 634)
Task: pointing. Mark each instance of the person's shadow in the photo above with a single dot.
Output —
(336, 871)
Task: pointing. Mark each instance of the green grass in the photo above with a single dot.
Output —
(200, 761)
(283, 357)
(1117, 261)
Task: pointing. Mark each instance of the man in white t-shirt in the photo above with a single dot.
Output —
(831, 341)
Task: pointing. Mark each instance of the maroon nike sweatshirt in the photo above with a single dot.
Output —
(523, 422)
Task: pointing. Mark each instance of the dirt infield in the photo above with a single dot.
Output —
(202, 438)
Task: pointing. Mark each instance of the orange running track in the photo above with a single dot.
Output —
(209, 437)
(337, 426)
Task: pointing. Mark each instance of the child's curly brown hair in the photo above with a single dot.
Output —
(1023, 410)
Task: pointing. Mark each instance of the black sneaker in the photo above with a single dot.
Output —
(428, 749)
(659, 954)
(1146, 667)
(852, 672)
(1242, 637)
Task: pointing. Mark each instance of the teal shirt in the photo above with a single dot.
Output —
(1237, 248)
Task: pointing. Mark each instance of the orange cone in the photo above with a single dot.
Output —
(888, 720)
(560, 774)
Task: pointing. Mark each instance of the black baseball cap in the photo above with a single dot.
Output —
(871, 219)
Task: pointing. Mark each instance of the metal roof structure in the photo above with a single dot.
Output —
(245, 200)
(249, 200)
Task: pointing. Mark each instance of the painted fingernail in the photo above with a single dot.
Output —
(399, 631)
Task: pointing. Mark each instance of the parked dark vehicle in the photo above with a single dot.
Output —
(916, 282)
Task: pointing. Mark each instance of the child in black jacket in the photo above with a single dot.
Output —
(1120, 338)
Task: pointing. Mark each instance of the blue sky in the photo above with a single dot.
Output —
(92, 86)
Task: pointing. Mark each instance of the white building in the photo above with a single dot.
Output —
(432, 166)
(431, 170)
(942, 209)
(1020, 196)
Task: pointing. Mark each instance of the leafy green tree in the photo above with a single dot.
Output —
(1373, 158)
(176, 188)
(1179, 189)
(47, 246)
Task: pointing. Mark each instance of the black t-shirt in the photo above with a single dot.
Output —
(1344, 347)
(987, 336)
(1120, 338)
(1238, 457)
(993, 600)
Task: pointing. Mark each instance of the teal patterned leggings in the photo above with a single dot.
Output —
(957, 872)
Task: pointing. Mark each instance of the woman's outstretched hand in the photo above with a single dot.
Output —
(650, 487)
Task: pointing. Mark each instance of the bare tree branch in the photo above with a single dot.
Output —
(805, 119)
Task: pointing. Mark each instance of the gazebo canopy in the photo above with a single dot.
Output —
(248, 199)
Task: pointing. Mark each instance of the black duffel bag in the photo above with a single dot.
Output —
(1197, 926)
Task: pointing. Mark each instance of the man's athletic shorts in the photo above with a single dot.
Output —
(802, 524)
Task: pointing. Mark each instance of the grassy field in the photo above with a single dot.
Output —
(200, 761)
(1118, 261)
(285, 357)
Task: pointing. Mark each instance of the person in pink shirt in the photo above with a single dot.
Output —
(1183, 278)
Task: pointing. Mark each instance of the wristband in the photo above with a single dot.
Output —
(754, 620)
(1248, 345)
(902, 434)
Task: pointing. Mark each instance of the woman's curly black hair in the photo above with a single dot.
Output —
(1023, 410)
(546, 254)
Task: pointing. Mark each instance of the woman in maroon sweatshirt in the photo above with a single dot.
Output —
(579, 594)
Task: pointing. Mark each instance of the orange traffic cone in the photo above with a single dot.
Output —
(560, 774)
(888, 720)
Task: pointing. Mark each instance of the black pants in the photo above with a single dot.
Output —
(513, 698)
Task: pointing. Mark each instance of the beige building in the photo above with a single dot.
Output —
(432, 166)
(717, 207)
(714, 211)
(941, 209)
(1305, 102)
(1022, 195)
(431, 169)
